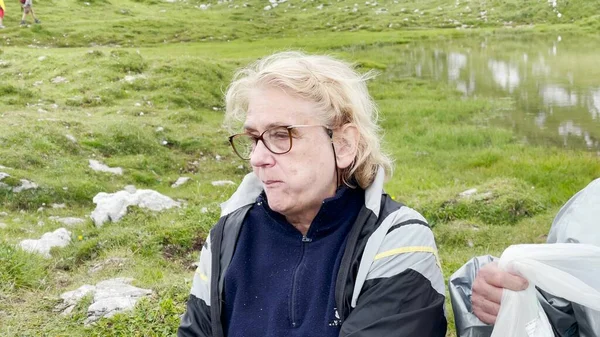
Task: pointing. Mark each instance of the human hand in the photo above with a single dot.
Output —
(487, 290)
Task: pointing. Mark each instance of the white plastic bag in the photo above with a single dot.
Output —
(567, 270)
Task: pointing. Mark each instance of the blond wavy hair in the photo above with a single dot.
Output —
(339, 92)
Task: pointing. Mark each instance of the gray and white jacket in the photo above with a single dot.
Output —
(389, 282)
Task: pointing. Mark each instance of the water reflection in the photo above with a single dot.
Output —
(505, 75)
(555, 82)
(554, 94)
(594, 103)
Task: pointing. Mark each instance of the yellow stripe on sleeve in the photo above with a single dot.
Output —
(411, 249)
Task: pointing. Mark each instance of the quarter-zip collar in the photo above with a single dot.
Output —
(334, 212)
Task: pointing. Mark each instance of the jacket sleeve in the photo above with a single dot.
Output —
(403, 294)
(196, 321)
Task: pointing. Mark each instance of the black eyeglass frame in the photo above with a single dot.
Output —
(260, 137)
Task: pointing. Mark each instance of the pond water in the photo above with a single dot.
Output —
(554, 81)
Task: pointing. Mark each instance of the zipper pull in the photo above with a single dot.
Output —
(306, 239)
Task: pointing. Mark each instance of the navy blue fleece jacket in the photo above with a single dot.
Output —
(281, 283)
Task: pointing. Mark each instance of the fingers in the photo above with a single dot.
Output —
(492, 274)
(485, 310)
(482, 288)
(487, 290)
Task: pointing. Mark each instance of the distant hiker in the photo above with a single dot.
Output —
(2, 9)
(27, 6)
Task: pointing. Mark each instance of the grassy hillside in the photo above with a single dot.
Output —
(139, 84)
(80, 23)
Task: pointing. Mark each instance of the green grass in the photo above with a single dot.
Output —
(143, 90)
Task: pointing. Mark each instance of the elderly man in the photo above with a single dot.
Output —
(309, 245)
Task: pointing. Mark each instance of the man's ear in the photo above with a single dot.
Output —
(346, 140)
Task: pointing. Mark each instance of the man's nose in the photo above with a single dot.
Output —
(261, 156)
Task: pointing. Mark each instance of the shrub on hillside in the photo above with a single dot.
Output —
(498, 202)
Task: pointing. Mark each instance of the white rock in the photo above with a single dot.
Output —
(97, 166)
(114, 296)
(67, 221)
(4, 175)
(58, 206)
(468, 192)
(113, 206)
(71, 138)
(41, 58)
(180, 181)
(42, 111)
(160, 129)
(59, 238)
(117, 261)
(222, 182)
(110, 297)
(3, 225)
(3, 214)
(25, 185)
(59, 79)
(132, 78)
(74, 296)
(204, 210)
(267, 8)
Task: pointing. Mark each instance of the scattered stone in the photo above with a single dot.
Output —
(58, 206)
(222, 183)
(3, 225)
(113, 261)
(160, 129)
(110, 297)
(468, 193)
(59, 79)
(25, 185)
(114, 296)
(67, 221)
(470, 244)
(59, 238)
(42, 111)
(3, 214)
(71, 298)
(217, 157)
(113, 206)
(98, 166)
(41, 58)
(4, 175)
(71, 138)
(180, 181)
(133, 78)
(204, 210)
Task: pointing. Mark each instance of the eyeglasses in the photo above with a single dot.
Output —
(278, 140)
